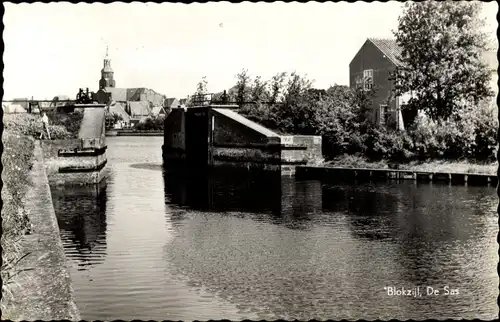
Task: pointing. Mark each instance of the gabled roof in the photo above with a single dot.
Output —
(157, 110)
(140, 108)
(389, 48)
(119, 109)
(170, 101)
(117, 94)
(134, 94)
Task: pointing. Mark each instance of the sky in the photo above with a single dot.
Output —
(56, 48)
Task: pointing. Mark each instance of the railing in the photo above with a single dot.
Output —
(202, 99)
(211, 99)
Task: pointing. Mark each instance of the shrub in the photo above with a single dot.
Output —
(470, 134)
(159, 122)
(31, 125)
(486, 127)
(265, 114)
(380, 143)
(70, 121)
(150, 124)
(427, 141)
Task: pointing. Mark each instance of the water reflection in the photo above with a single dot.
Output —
(81, 215)
(430, 214)
(270, 197)
(331, 249)
(434, 227)
(194, 247)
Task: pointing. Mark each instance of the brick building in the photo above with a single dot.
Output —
(371, 68)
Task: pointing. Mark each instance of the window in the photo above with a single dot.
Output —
(384, 114)
(359, 82)
(368, 79)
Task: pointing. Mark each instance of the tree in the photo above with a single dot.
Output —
(258, 91)
(442, 44)
(335, 118)
(199, 95)
(296, 106)
(362, 100)
(276, 87)
(296, 87)
(242, 87)
(201, 87)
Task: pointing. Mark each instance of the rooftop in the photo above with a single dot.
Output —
(389, 48)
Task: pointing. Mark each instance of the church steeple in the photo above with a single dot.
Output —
(106, 73)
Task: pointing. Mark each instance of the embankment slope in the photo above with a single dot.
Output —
(43, 292)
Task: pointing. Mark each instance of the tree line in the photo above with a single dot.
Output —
(442, 67)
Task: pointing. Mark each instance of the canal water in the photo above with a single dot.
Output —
(177, 246)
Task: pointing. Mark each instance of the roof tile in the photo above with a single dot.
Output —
(389, 48)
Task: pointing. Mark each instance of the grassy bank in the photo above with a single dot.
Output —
(19, 136)
(20, 133)
(61, 126)
(347, 161)
(17, 160)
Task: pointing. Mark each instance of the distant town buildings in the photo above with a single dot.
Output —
(134, 104)
(172, 103)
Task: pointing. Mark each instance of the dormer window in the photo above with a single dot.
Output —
(368, 79)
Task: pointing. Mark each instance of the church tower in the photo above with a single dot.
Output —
(106, 73)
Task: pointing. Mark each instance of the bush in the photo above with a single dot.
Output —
(150, 124)
(31, 125)
(264, 114)
(470, 134)
(394, 146)
(485, 134)
(70, 121)
(427, 143)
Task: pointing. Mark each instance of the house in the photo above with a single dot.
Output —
(182, 102)
(145, 94)
(371, 68)
(119, 109)
(158, 111)
(117, 94)
(138, 110)
(171, 103)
